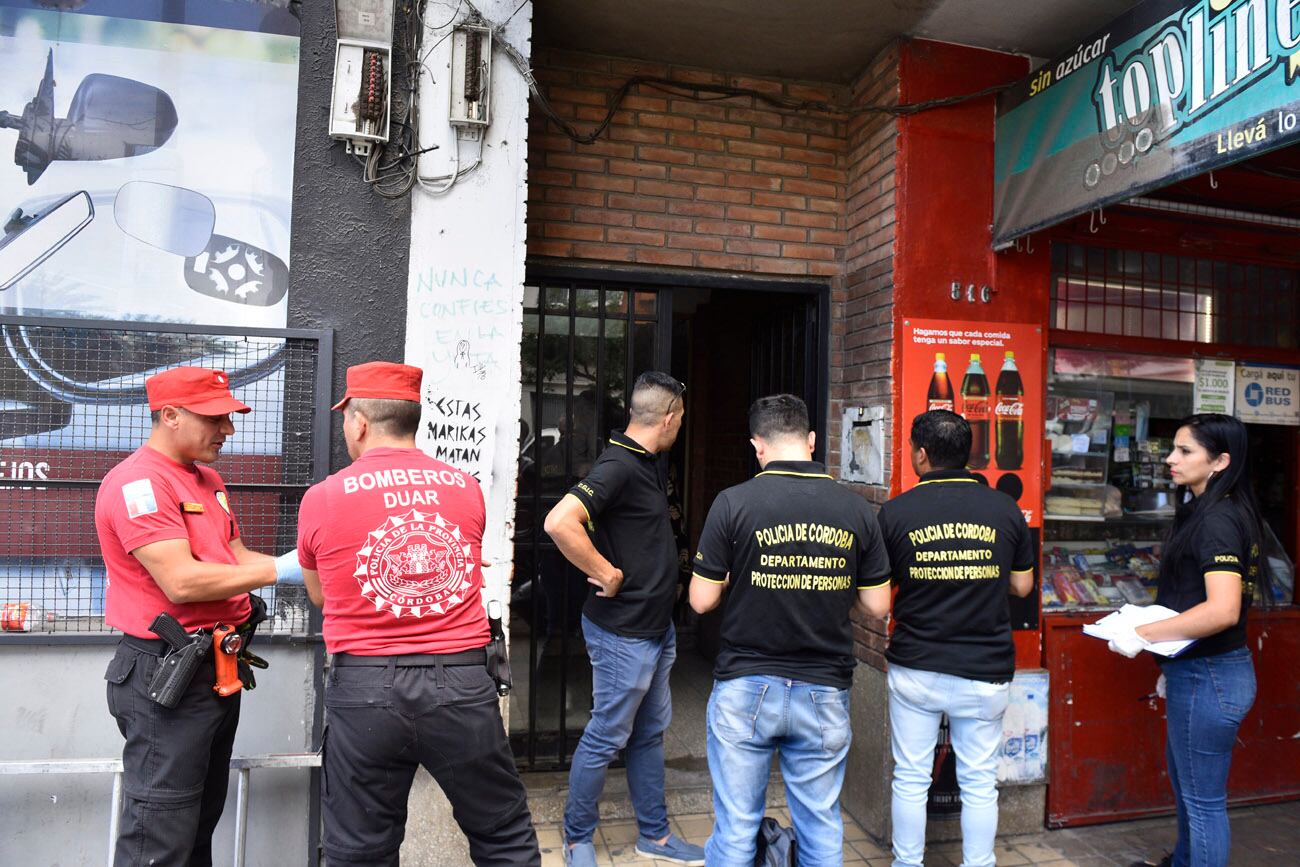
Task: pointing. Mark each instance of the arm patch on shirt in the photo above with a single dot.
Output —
(140, 499)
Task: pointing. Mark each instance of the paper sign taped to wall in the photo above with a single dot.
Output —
(1268, 395)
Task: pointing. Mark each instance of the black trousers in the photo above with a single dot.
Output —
(380, 724)
(175, 763)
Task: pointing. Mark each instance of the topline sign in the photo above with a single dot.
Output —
(1171, 89)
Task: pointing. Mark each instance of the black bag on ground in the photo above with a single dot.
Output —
(776, 845)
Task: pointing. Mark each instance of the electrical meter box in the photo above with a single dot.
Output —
(362, 95)
(471, 76)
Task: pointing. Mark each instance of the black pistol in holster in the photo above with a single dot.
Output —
(498, 655)
(248, 660)
(177, 667)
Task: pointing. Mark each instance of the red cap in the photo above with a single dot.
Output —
(198, 389)
(384, 380)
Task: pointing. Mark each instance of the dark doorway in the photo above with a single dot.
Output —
(585, 340)
(738, 345)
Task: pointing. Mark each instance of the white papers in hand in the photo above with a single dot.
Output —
(1132, 616)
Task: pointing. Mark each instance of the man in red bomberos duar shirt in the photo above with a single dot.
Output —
(391, 551)
(171, 545)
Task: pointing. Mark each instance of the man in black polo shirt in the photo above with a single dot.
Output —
(958, 547)
(630, 559)
(801, 551)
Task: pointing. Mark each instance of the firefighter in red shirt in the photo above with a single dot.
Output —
(391, 551)
(171, 546)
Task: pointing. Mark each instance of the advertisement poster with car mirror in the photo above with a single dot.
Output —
(146, 175)
(991, 374)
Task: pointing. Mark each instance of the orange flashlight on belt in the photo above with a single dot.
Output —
(226, 644)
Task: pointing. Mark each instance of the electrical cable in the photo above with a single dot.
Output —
(395, 176)
(450, 179)
(521, 5)
(714, 92)
(459, 172)
(450, 20)
(400, 175)
(710, 93)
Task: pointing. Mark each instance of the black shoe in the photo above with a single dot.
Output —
(1166, 861)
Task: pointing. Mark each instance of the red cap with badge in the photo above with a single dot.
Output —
(383, 380)
(198, 389)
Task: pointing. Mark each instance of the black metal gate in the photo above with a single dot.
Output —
(585, 340)
(584, 344)
(787, 357)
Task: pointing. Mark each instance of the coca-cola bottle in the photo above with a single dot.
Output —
(1009, 416)
(975, 408)
(940, 394)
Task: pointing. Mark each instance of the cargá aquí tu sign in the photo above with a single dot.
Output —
(1170, 89)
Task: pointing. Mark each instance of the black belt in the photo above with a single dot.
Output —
(414, 660)
(156, 646)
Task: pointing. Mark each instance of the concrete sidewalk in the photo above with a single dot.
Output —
(1266, 836)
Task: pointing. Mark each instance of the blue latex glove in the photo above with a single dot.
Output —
(287, 568)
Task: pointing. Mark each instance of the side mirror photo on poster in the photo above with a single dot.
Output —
(109, 118)
(32, 235)
(238, 272)
(173, 219)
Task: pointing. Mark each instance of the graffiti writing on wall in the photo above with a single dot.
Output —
(454, 431)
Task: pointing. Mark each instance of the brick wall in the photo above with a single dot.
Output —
(734, 186)
(862, 326)
(721, 184)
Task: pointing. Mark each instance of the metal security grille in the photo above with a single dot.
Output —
(72, 405)
(583, 346)
(1136, 294)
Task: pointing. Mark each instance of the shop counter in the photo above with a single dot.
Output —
(1106, 738)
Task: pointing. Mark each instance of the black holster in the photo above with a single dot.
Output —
(498, 656)
(247, 661)
(177, 667)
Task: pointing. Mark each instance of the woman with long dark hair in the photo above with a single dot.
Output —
(1208, 571)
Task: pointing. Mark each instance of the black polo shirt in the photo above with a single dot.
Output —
(954, 543)
(798, 546)
(626, 499)
(1222, 543)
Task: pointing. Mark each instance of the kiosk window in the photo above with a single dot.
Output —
(1153, 295)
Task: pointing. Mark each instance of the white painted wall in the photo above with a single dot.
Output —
(465, 295)
(464, 322)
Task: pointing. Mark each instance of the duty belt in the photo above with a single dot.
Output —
(154, 646)
(181, 653)
(413, 660)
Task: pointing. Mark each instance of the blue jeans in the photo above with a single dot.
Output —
(1207, 698)
(917, 701)
(631, 708)
(808, 724)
